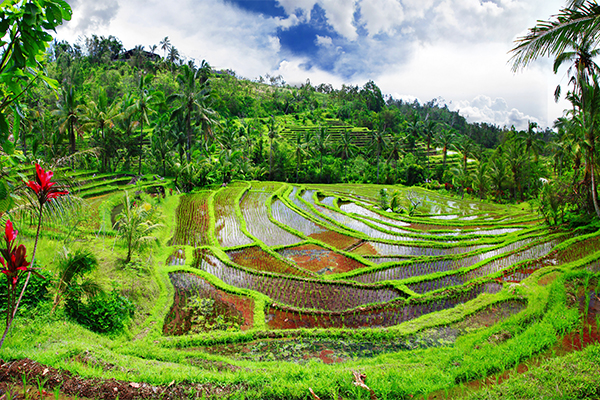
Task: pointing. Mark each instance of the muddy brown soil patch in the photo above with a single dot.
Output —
(12, 373)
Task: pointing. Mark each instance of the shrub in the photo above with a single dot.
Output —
(37, 291)
(103, 313)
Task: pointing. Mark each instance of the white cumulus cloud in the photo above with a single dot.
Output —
(324, 41)
(496, 111)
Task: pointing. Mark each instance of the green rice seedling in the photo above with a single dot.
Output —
(24, 382)
(57, 392)
(40, 386)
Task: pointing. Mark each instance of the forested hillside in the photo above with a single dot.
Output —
(150, 112)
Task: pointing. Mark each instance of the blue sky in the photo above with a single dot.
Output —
(454, 50)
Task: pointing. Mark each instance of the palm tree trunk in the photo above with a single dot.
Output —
(321, 177)
(594, 194)
(378, 169)
(346, 170)
(445, 151)
(271, 159)
(141, 137)
(188, 123)
(72, 137)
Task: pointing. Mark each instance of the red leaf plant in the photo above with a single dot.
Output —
(44, 192)
(43, 187)
(14, 264)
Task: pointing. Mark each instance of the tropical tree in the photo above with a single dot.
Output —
(461, 178)
(429, 134)
(576, 21)
(465, 146)
(576, 28)
(173, 55)
(377, 145)
(300, 151)
(445, 139)
(272, 133)
(124, 132)
(532, 139)
(192, 105)
(497, 175)
(161, 144)
(581, 57)
(480, 178)
(320, 144)
(165, 45)
(72, 268)
(587, 119)
(134, 226)
(143, 107)
(99, 117)
(346, 150)
(413, 132)
(67, 113)
(516, 159)
(24, 42)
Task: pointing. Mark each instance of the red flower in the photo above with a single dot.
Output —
(13, 259)
(43, 187)
(9, 233)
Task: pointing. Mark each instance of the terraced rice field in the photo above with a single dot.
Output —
(327, 256)
(319, 273)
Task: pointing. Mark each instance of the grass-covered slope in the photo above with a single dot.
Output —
(270, 290)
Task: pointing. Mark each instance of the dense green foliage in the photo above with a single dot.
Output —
(414, 263)
(102, 313)
(37, 292)
(135, 111)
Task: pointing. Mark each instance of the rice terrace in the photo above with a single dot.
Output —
(172, 230)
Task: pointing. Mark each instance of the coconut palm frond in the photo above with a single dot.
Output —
(90, 288)
(553, 37)
(66, 160)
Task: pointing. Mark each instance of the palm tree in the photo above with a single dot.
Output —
(67, 113)
(134, 226)
(247, 135)
(429, 134)
(581, 57)
(497, 175)
(72, 268)
(578, 20)
(480, 178)
(413, 132)
(445, 139)
(228, 137)
(465, 146)
(143, 107)
(517, 159)
(346, 150)
(273, 133)
(100, 117)
(126, 126)
(532, 138)
(192, 106)
(587, 119)
(300, 150)
(566, 145)
(394, 150)
(576, 27)
(461, 178)
(321, 144)
(161, 144)
(173, 55)
(165, 45)
(205, 70)
(378, 143)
